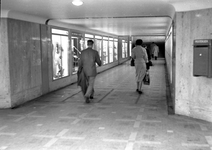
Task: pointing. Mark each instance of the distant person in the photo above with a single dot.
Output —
(151, 49)
(141, 58)
(87, 65)
(148, 56)
(155, 51)
(147, 51)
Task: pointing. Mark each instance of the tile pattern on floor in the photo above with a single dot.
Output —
(118, 118)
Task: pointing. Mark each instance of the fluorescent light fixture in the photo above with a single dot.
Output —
(77, 2)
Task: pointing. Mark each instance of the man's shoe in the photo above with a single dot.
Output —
(140, 92)
(87, 100)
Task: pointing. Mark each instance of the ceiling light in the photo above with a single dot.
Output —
(77, 2)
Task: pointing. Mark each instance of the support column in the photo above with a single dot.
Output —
(5, 96)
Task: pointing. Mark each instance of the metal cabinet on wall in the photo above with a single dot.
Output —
(202, 59)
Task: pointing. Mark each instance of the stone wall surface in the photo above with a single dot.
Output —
(193, 94)
(25, 61)
(4, 66)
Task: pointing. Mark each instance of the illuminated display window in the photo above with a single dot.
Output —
(105, 52)
(89, 36)
(130, 48)
(115, 50)
(98, 37)
(105, 38)
(111, 50)
(77, 46)
(98, 45)
(60, 55)
(123, 48)
(58, 31)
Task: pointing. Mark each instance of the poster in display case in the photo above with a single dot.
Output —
(60, 57)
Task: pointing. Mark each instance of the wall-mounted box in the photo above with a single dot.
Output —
(202, 59)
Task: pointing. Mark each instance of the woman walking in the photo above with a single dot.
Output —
(140, 55)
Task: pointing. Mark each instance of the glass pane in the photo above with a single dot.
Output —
(105, 38)
(110, 51)
(125, 45)
(98, 37)
(57, 31)
(65, 46)
(82, 43)
(89, 36)
(105, 52)
(60, 56)
(130, 48)
(76, 51)
(123, 49)
(115, 51)
(98, 47)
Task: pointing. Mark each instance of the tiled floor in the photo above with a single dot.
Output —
(117, 119)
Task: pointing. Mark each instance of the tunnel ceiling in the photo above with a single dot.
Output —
(148, 18)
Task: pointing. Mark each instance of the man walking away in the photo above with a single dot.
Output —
(87, 64)
(156, 51)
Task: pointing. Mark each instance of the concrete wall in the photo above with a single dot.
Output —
(170, 50)
(25, 61)
(168, 56)
(4, 66)
(169, 71)
(193, 94)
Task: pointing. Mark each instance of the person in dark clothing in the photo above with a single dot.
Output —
(148, 52)
(149, 57)
(151, 49)
(88, 59)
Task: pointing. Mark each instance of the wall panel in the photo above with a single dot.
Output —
(170, 65)
(25, 60)
(45, 47)
(4, 66)
(193, 94)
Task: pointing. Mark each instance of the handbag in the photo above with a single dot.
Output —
(146, 79)
(132, 62)
(147, 66)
